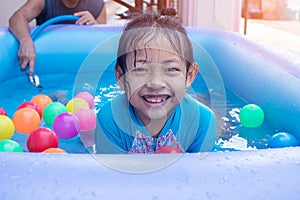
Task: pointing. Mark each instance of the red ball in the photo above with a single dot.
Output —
(41, 139)
(2, 112)
(32, 105)
(169, 150)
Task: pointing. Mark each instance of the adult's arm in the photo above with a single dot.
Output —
(101, 19)
(19, 26)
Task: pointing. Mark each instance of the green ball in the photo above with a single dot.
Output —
(52, 110)
(10, 146)
(251, 116)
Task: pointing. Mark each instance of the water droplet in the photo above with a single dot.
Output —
(260, 178)
(228, 157)
(248, 159)
(19, 186)
(277, 183)
(184, 179)
(4, 195)
(29, 171)
(296, 163)
(224, 179)
(261, 155)
(211, 195)
(237, 167)
(13, 177)
(57, 181)
(154, 197)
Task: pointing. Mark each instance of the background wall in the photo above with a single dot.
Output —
(219, 14)
(8, 7)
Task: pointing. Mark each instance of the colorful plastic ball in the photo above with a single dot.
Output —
(42, 101)
(87, 119)
(41, 139)
(10, 146)
(168, 150)
(55, 150)
(7, 127)
(88, 97)
(75, 104)
(2, 111)
(32, 105)
(251, 116)
(282, 139)
(26, 120)
(52, 110)
(66, 125)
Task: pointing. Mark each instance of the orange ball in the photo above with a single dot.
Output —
(26, 120)
(41, 100)
(54, 150)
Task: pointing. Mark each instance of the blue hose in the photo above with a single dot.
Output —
(52, 21)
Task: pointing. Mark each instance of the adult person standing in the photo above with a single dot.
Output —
(89, 11)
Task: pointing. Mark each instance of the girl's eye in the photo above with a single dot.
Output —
(173, 69)
(139, 69)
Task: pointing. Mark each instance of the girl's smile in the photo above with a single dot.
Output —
(155, 99)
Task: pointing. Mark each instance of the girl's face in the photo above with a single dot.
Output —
(155, 82)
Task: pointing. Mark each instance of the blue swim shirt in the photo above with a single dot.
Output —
(192, 123)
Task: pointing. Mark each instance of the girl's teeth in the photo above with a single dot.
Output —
(156, 99)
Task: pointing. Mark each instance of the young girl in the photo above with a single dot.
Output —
(155, 66)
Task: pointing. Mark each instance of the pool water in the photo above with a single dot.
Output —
(232, 136)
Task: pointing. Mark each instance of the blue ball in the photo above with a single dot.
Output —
(282, 139)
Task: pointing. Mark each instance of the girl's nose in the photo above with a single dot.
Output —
(156, 80)
(154, 85)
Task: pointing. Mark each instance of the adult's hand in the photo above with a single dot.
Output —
(27, 55)
(85, 18)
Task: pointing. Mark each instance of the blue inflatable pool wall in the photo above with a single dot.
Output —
(253, 72)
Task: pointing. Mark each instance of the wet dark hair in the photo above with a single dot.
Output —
(144, 31)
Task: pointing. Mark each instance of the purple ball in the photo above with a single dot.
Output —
(66, 125)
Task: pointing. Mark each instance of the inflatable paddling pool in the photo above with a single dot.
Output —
(233, 68)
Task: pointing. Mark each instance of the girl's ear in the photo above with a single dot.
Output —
(119, 76)
(191, 74)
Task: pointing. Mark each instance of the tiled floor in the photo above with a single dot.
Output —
(284, 34)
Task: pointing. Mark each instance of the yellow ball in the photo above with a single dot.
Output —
(7, 127)
(75, 104)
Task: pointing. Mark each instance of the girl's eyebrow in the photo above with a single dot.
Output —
(172, 60)
(164, 62)
(141, 61)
